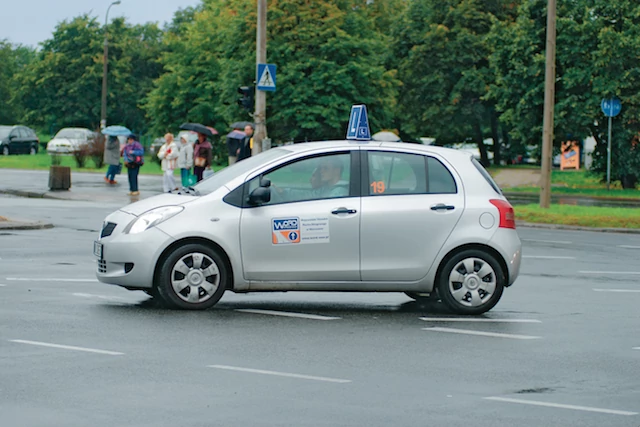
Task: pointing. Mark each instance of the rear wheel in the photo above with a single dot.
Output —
(193, 277)
(33, 151)
(471, 282)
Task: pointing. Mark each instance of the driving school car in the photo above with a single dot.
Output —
(327, 216)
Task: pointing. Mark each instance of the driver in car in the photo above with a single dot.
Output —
(325, 183)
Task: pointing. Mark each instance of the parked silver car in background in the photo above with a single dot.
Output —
(69, 140)
(329, 216)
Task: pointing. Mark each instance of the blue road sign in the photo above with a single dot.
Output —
(359, 124)
(611, 107)
(266, 77)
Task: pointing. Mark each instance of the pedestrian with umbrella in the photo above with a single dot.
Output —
(203, 150)
(112, 151)
(234, 139)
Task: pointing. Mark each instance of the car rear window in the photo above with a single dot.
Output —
(486, 175)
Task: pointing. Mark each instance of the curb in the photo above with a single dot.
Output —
(20, 225)
(577, 228)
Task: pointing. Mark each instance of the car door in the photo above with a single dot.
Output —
(411, 203)
(15, 141)
(309, 231)
(23, 144)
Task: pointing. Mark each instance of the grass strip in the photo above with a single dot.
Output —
(585, 216)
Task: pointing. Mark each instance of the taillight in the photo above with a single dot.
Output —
(507, 216)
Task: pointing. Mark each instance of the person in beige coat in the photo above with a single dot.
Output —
(168, 154)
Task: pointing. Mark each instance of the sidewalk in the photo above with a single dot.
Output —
(84, 187)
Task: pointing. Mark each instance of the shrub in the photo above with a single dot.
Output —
(81, 154)
(97, 151)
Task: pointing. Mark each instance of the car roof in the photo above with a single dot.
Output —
(449, 153)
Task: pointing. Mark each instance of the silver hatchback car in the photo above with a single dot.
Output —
(327, 216)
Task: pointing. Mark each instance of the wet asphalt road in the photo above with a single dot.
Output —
(569, 353)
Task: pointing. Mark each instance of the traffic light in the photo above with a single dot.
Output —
(246, 101)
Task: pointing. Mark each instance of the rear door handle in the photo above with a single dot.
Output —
(442, 207)
(338, 211)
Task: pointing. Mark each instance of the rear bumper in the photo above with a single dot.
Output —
(507, 242)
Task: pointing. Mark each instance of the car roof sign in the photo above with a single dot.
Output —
(359, 124)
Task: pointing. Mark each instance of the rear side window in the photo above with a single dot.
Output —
(440, 179)
(396, 173)
(486, 175)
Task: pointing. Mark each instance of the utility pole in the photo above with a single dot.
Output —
(549, 102)
(260, 115)
(103, 109)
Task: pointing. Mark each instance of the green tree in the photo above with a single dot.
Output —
(63, 85)
(13, 60)
(329, 56)
(445, 70)
(598, 45)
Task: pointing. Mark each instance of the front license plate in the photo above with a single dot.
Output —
(97, 249)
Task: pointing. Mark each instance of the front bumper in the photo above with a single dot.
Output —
(129, 260)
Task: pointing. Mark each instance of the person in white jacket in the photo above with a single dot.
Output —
(185, 160)
(168, 154)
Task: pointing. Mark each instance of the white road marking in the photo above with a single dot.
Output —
(481, 333)
(609, 272)
(1, 285)
(477, 319)
(617, 290)
(636, 348)
(562, 242)
(558, 405)
(280, 374)
(79, 294)
(548, 257)
(287, 314)
(68, 347)
(46, 279)
(629, 247)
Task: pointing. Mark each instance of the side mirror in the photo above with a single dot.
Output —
(260, 196)
(12, 137)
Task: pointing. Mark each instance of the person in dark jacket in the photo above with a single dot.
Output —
(246, 146)
(133, 154)
(112, 158)
(202, 156)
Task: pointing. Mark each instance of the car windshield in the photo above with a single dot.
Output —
(229, 173)
(4, 131)
(71, 134)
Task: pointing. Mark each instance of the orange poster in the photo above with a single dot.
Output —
(570, 157)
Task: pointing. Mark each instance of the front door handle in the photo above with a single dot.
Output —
(442, 207)
(338, 211)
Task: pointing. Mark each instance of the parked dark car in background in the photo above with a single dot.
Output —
(18, 140)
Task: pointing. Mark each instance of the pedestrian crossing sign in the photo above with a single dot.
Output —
(266, 77)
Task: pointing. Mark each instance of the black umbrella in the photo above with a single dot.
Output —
(197, 127)
(240, 125)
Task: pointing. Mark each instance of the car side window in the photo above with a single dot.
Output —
(396, 173)
(311, 178)
(440, 179)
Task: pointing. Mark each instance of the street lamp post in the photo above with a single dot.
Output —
(103, 113)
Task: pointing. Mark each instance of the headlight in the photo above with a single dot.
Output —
(152, 218)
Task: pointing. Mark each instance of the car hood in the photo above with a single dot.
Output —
(138, 208)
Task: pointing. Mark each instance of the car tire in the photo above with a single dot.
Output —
(5, 151)
(33, 151)
(192, 277)
(471, 282)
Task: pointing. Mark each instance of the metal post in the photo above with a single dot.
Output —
(103, 109)
(260, 115)
(549, 94)
(609, 156)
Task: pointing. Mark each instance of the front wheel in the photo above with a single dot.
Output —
(33, 151)
(471, 282)
(5, 151)
(193, 277)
